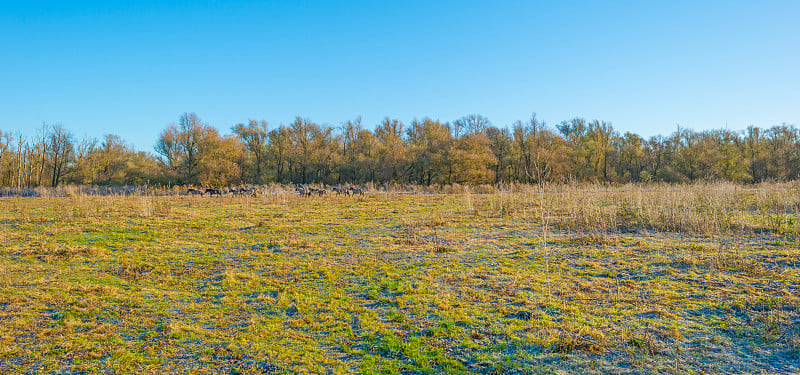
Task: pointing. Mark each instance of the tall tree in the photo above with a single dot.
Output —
(279, 149)
(304, 134)
(59, 152)
(181, 145)
(470, 124)
(631, 157)
(85, 168)
(501, 145)
(392, 152)
(601, 139)
(255, 137)
(472, 160)
(430, 145)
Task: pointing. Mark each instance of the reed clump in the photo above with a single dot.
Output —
(702, 208)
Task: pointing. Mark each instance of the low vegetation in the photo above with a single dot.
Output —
(531, 279)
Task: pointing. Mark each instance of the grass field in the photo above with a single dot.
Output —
(554, 279)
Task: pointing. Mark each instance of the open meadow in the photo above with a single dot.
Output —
(535, 279)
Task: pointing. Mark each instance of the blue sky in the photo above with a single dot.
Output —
(102, 67)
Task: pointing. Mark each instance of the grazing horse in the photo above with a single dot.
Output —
(340, 191)
(211, 192)
(357, 191)
(241, 191)
(304, 191)
(194, 192)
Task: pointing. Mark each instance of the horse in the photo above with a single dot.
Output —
(241, 191)
(194, 192)
(340, 191)
(304, 191)
(211, 192)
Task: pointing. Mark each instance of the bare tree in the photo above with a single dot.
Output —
(20, 159)
(4, 145)
(40, 148)
(167, 147)
(280, 142)
(59, 152)
(84, 165)
(255, 137)
(181, 145)
(470, 124)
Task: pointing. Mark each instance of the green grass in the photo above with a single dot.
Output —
(398, 284)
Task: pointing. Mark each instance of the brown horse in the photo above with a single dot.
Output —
(340, 191)
(194, 192)
(303, 191)
(211, 192)
(241, 191)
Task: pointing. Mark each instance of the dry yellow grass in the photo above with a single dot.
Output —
(592, 279)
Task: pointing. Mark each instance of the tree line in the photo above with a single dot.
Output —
(469, 150)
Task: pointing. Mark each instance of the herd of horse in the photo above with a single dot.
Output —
(201, 193)
(304, 191)
(219, 192)
(307, 191)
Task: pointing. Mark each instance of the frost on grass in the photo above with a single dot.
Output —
(616, 281)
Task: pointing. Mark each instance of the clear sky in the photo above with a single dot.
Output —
(131, 68)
